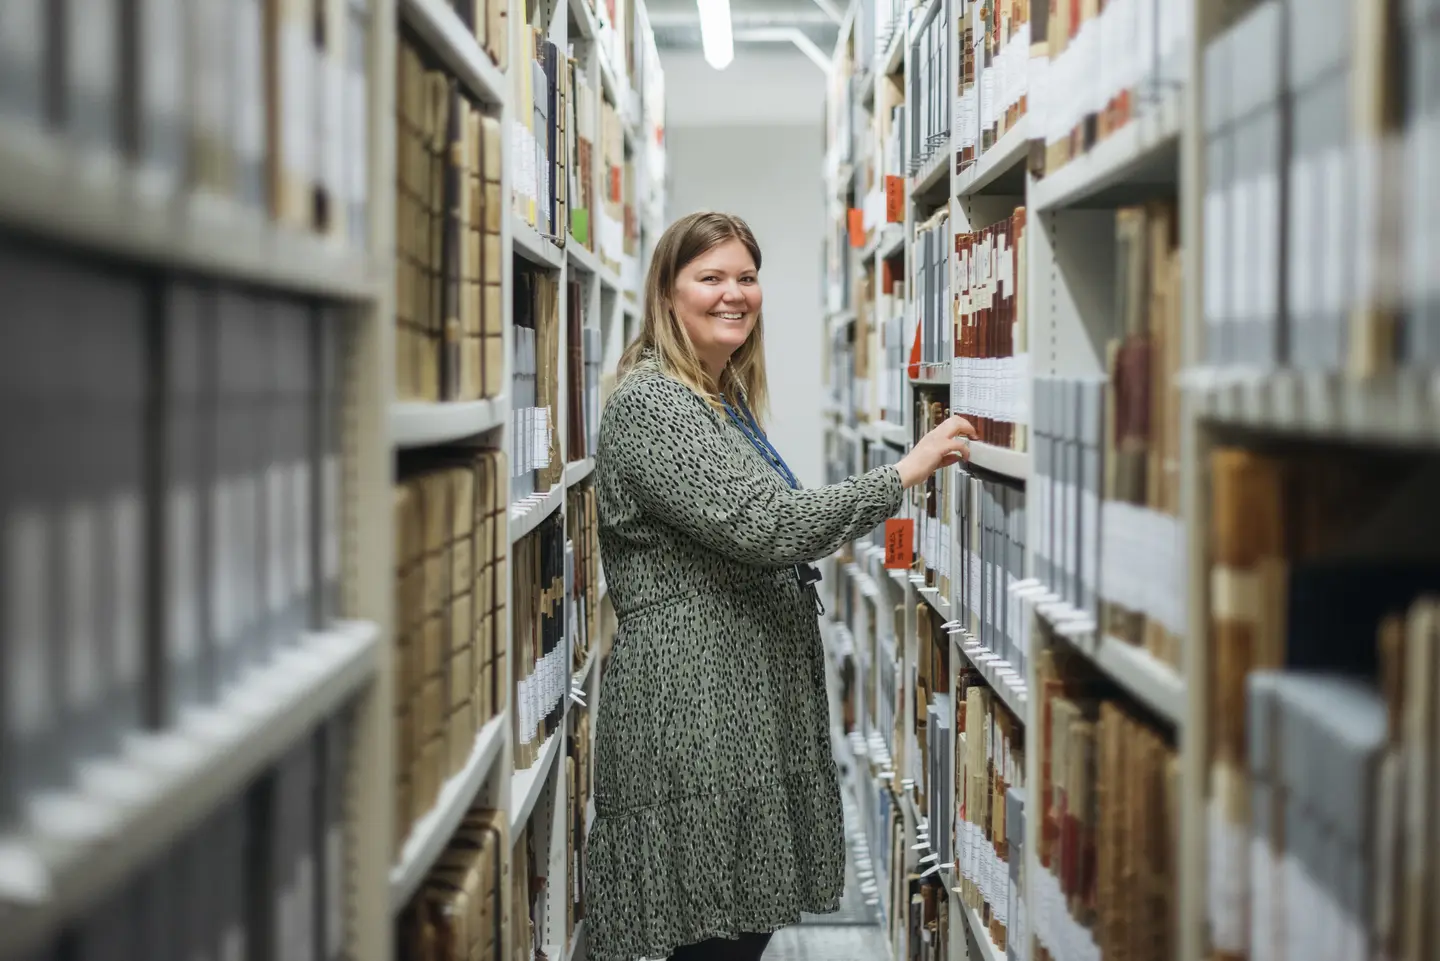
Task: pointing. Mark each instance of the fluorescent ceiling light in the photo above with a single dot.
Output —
(715, 35)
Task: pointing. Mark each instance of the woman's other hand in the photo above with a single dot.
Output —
(946, 444)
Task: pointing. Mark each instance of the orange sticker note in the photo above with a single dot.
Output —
(899, 544)
(857, 227)
(894, 199)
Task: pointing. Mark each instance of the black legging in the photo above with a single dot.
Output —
(749, 947)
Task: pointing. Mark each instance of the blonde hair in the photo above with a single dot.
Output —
(663, 334)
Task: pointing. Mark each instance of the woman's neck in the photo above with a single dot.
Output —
(715, 370)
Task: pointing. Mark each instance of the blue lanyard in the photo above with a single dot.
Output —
(757, 440)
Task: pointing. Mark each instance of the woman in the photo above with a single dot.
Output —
(717, 802)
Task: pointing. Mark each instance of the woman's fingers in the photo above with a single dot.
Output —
(959, 425)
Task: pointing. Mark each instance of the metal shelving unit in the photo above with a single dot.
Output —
(74, 849)
(1066, 270)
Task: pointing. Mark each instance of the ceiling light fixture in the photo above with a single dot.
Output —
(715, 33)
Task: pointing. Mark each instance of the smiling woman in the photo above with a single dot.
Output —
(705, 271)
(717, 806)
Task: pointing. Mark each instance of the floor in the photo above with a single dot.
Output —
(850, 934)
(827, 942)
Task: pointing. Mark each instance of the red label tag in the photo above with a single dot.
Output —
(894, 199)
(615, 184)
(899, 544)
(857, 228)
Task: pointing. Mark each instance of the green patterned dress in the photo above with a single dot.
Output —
(716, 796)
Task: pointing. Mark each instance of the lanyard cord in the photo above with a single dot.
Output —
(807, 575)
(760, 442)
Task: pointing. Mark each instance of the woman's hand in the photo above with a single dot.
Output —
(943, 445)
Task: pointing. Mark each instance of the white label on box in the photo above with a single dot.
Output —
(27, 620)
(336, 880)
(211, 81)
(223, 602)
(245, 574)
(297, 64)
(183, 564)
(357, 135)
(305, 906)
(1266, 197)
(1337, 227)
(1216, 268)
(1227, 888)
(248, 93)
(330, 548)
(94, 47)
(333, 116)
(301, 580)
(542, 437)
(162, 52)
(1303, 239)
(1261, 907)
(128, 560)
(22, 31)
(82, 654)
(1241, 236)
(276, 586)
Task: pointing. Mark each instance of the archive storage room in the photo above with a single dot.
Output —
(309, 314)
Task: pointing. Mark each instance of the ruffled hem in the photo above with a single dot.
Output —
(715, 866)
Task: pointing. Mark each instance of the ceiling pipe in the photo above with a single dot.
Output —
(787, 35)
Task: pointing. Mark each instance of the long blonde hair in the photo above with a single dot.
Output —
(662, 333)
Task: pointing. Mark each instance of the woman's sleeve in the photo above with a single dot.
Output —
(676, 464)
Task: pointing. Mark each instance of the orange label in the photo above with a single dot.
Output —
(857, 228)
(615, 184)
(887, 277)
(899, 544)
(894, 200)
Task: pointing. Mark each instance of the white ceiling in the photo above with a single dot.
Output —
(677, 22)
(744, 93)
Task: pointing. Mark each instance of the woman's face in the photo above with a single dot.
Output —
(717, 298)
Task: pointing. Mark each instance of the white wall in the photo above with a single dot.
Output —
(747, 140)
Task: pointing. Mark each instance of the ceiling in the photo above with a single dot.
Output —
(677, 22)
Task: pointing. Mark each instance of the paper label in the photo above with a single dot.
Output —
(223, 604)
(248, 66)
(276, 583)
(94, 46)
(246, 571)
(333, 116)
(182, 561)
(297, 56)
(330, 549)
(357, 135)
(1228, 883)
(82, 651)
(335, 876)
(127, 563)
(1260, 908)
(899, 543)
(26, 612)
(163, 44)
(22, 29)
(1215, 259)
(300, 574)
(1303, 240)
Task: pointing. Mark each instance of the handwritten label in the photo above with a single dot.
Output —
(894, 199)
(899, 544)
